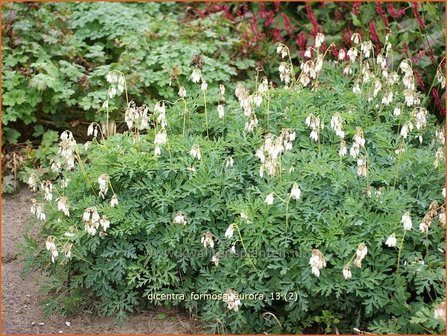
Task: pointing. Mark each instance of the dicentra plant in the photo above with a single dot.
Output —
(315, 205)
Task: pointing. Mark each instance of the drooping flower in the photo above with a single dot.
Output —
(347, 272)
(233, 248)
(352, 54)
(295, 193)
(179, 218)
(207, 240)
(114, 201)
(38, 210)
(391, 241)
(282, 49)
(104, 222)
(319, 39)
(257, 100)
(359, 141)
(231, 298)
(229, 232)
(308, 53)
(343, 149)
(196, 76)
(439, 312)
(361, 252)
(103, 181)
(355, 38)
(182, 92)
(160, 139)
(442, 217)
(195, 152)
(66, 249)
(204, 85)
(215, 259)
(90, 129)
(423, 227)
(56, 165)
(62, 205)
(229, 162)
(220, 111)
(269, 199)
(406, 221)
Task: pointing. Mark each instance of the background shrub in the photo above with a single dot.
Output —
(56, 57)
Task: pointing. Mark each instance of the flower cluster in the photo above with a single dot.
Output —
(47, 187)
(410, 94)
(270, 152)
(315, 124)
(136, 117)
(337, 125)
(429, 216)
(161, 138)
(440, 77)
(62, 205)
(358, 142)
(38, 210)
(246, 101)
(67, 147)
(207, 240)
(231, 298)
(362, 168)
(317, 262)
(92, 221)
(283, 50)
(93, 129)
(285, 73)
(117, 83)
(51, 246)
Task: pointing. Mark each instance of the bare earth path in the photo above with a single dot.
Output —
(21, 313)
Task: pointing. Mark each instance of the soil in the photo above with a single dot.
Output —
(21, 311)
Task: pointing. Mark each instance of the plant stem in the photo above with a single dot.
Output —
(81, 166)
(400, 249)
(243, 246)
(287, 212)
(206, 115)
(184, 118)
